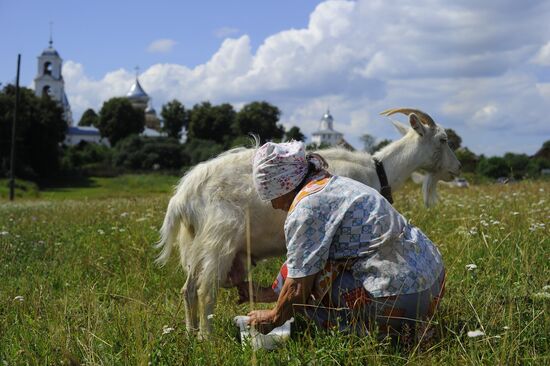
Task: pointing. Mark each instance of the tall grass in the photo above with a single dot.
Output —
(78, 285)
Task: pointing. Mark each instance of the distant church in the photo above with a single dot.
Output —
(49, 80)
(326, 135)
(142, 101)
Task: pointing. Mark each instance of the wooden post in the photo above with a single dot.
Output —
(12, 153)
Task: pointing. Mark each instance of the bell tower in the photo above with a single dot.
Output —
(49, 80)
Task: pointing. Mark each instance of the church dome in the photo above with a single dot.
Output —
(136, 92)
(50, 51)
(327, 121)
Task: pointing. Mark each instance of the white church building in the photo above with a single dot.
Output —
(326, 134)
(49, 80)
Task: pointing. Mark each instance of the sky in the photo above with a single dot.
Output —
(481, 68)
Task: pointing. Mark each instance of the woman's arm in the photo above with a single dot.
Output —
(295, 291)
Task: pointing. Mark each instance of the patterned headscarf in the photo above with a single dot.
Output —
(279, 168)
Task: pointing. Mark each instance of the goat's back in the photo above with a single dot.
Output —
(352, 164)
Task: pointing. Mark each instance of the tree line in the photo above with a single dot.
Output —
(210, 129)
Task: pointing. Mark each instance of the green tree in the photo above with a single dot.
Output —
(40, 130)
(313, 146)
(197, 150)
(368, 142)
(535, 166)
(208, 122)
(145, 153)
(517, 164)
(455, 141)
(380, 145)
(294, 134)
(259, 118)
(175, 118)
(118, 119)
(85, 155)
(544, 151)
(493, 167)
(89, 118)
(468, 159)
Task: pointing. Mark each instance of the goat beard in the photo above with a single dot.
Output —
(429, 189)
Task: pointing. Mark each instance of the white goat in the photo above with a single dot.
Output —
(205, 217)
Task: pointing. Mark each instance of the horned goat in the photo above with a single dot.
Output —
(205, 218)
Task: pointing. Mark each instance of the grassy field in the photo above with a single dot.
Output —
(78, 284)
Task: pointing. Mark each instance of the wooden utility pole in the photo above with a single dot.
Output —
(12, 154)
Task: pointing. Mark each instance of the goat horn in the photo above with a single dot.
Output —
(425, 118)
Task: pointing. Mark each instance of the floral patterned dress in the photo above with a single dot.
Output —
(370, 263)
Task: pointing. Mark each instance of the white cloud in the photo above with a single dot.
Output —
(543, 56)
(485, 114)
(85, 93)
(225, 32)
(464, 63)
(163, 45)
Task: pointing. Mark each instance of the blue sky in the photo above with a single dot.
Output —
(481, 68)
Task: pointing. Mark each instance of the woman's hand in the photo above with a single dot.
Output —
(262, 320)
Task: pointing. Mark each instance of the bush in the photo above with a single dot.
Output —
(78, 156)
(144, 153)
(198, 150)
(23, 188)
(535, 166)
(493, 167)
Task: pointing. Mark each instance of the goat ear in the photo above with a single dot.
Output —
(400, 127)
(416, 124)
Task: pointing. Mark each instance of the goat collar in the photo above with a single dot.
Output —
(385, 188)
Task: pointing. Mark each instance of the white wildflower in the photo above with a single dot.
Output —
(471, 267)
(121, 230)
(515, 213)
(100, 232)
(19, 298)
(166, 329)
(546, 288)
(542, 295)
(210, 316)
(475, 333)
(536, 226)
(124, 214)
(506, 327)
(3, 233)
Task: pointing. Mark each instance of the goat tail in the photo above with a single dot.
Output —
(170, 230)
